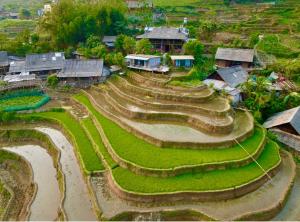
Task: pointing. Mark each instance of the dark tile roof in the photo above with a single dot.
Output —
(291, 116)
(231, 54)
(3, 59)
(234, 75)
(44, 62)
(164, 33)
(81, 68)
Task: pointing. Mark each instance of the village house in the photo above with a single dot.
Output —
(4, 64)
(232, 76)
(82, 73)
(166, 39)
(227, 57)
(287, 121)
(150, 63)
(185, 61)
(109, 41)
(44, 64)
(16, 67)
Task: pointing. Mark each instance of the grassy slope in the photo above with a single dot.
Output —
(85, 148)
(212, 180)
(144, 154)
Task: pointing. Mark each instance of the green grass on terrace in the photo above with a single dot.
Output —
(142, 153)
(85, 148)
(20, 101)
(212, 180)
(90, 126)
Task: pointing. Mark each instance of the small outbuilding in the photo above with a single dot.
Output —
(4, 64)
(150, 63)
(227, 57)
(186, 61)
(233, 76)
(288, 121)
(82, 73)
(16, 67)
(109, 41)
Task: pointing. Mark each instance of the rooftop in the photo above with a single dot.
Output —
(107, 39)
(233, 76)
(3, 58)
(291, 116)
(17, 67)
(43, 62)
(141, 56)
(182, 57)
(164, 33)
(232, 54)
(81, 68)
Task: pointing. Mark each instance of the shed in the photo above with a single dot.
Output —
(109, 41)
(233, 76)
(16, 67)
(288, 121)
(182, 60)
(227, 57)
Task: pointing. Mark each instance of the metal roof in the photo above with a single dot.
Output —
(232, 54)
(19, 78)
(164, 33)
(81, 68)
(17, 67)
(141, 56)
(44, 62)
(3, 58)
(291, 116)
(182, 57)
(233, 76)
(107, 39)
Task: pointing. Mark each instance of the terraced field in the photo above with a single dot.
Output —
(142, 167)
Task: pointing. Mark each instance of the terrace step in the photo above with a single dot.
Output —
(170, 135)
(213, 106)
(166, 94)
(208, 124)
(190, 161)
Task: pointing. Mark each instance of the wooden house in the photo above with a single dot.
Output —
(166, 39)
(44, 64)
(227, 57)
(185, 61)
(288, 121)
(82, 73)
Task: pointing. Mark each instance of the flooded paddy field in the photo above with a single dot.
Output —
(46, 203)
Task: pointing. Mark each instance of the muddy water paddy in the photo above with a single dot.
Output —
(46, 204)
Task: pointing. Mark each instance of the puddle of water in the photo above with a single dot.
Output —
(291, 211)
(47, 201)
(77, 204)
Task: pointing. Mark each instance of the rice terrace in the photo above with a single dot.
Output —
(150, 110)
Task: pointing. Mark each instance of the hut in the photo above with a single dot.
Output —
(166, 39)
(182, 60)
(109, 41)
(288, 121)
(227, 57)
(82, 73)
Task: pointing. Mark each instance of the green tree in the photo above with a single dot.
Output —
(52, 81)
(195, 48)
(143, 46)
